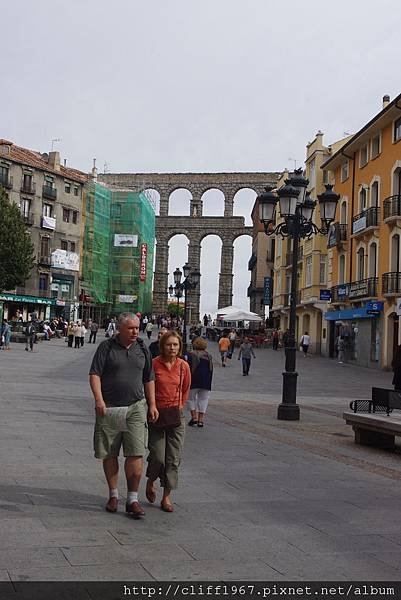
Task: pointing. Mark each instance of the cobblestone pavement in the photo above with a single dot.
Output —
(258, 498)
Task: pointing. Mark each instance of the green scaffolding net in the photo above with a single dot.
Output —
(118, 249)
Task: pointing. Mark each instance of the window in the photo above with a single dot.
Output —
(312, 174)
(343, 212)
(372, 260)
(72, 246)
(66, 215)
(323, 268)
(308, 271)
(27, 181)
(43, 282)
(76, 190)
(376, 143)
(395, 253)
(75, 217)
(116, 210)
(47, 210)
(3, 174)
(64, 245)
(363, 156)
(345, 171)
(363, 198)
(25, 207)
(374, 194)
(49, 182)
(44, 246)
(360, 263)
(67, 188)
(341, 269)
(397, 130)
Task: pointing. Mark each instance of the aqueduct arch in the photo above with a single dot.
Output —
(195, 226)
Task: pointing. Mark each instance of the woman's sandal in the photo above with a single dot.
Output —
(150, 492)
(192, 422)
(167, 507)
(200, 423)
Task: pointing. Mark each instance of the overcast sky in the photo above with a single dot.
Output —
(185, 85)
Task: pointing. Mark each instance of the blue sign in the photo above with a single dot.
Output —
(356, 313)
(325, 294)
(267, 290)
(342, 290)
(375, 306)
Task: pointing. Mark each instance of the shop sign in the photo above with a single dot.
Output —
(54, 287)
(325, 294)
(61, 259)
(60, 302)
(65, 287)
(359, 224)
(333, 237)
(142, 268)
(267, 290)
(127, 299)
(125, 241)
(374, 308)
(48, 223)
(342, 291)
(358, 289)
(26, 299)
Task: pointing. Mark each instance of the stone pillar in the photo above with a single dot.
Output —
(196, 206)
(226, 275)
(193, 296)
(160, 282)
(228, 204)
(164, 204)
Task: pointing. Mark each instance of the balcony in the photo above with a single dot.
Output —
(252, 262)
(364, 288)
(28, 187)
(29, 219)
(364, 220)
(44, 260)
(6, 181)
(392, 207)
(49, 192)
(336, 235)
(391, 283)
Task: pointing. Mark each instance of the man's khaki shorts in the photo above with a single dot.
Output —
(107, 441)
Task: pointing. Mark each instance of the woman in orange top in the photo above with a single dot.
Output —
(172, 383)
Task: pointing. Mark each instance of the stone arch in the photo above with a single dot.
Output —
(213, 195)
(178, 244)
(211, 253)
(184, 196)
(153, 195)
(242, 246)
(243, 201)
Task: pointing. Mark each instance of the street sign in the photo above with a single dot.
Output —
(377, 307)
(325, 294)
(267, 290)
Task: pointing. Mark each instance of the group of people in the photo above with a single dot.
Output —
(227, 347)
(140, 394)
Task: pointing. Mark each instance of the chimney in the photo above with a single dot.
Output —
(65, 162)
(94, 170)
(54, 160)
(386, 101)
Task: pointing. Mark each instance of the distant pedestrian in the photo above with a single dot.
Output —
(149, 329)
(94, 328)
(77, 335)
(111, 329)
(340, 349)
(201, 365)
(205, 320)
(83, 333)
(145, 321)
(276, 339)
(396, 364)
(246, 352)
(224, 346)
(30, 333)
(154, 347)
(304, 342)
(71, 333)
(5, 335)
(232, 336)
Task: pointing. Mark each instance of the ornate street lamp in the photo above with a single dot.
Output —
(296, 211)
(190, 282)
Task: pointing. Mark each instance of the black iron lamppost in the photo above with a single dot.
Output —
(190, 282)
(296, 211)
(176, 292)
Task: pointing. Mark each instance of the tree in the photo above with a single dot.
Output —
(172, 309)
(16, 249)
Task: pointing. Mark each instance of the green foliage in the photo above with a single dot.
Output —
(16, 248)
(172, 309)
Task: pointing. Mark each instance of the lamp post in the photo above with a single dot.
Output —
(190, 282)
(296, 211)
(176, 292)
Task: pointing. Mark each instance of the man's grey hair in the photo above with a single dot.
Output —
(124, 317)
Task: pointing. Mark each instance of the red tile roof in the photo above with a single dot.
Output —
(32, 158)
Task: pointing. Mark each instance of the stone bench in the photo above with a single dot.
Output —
(371, 420)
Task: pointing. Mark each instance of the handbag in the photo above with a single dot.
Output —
(170, 416)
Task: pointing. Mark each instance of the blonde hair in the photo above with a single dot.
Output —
(199, 344)
(165, 337)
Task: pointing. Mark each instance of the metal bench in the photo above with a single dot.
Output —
(383, 401)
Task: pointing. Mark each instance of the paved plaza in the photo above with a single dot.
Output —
(259, 499)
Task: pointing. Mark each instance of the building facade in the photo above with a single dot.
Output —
(364, 243)
(260, 264)
(49, 196)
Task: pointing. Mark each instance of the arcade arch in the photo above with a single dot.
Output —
(154, 198)
(213, 201)
(177, 254)
(244, 200)
(179, 202)
(211, 249)
(241, 279)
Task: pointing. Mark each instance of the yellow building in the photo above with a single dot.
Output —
(312, 264)
(364, 243)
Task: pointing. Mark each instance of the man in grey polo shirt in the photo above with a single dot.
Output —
(122, 382)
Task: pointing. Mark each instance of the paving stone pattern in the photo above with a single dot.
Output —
(258, 498)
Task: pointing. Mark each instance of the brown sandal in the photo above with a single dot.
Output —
(167, 507)
(150, 492)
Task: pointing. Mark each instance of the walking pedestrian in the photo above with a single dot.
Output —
(232, 336)
(154, 347)
(30, 333)
(77, 335)
(166, 435)
(5, 335)
(201, 366)
(94, 328)
(276, 339)
(304, 342)
(224, 345)
(122, 383)
(246, 352)
(340, 349)
(71, 333)
(111, 329)
(83, 333)
(145, 321)
(149, 329)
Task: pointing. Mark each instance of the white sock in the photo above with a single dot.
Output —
(132, 497)
(113, 493)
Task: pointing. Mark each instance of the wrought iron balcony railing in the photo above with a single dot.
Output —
(392, 206)
(391, 283)
(28, 186)
(49, 192)
(367, 218)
